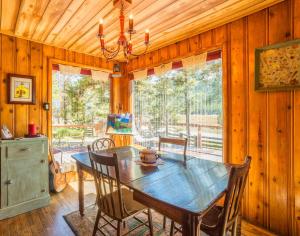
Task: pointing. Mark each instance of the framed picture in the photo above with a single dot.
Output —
(21, 89)
(277, 67)
(119, 124)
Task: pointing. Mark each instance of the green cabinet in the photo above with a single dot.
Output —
(24, 175)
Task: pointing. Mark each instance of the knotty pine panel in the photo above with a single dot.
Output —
(48, 52)
(36, 67)
(21, 67)
(257, 117)
(264, 125)
(238, 101)
(296, 131)
(279, 119)
(7, 66)
(21, 56)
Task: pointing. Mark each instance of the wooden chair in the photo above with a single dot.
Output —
(113, 200)
(220, 219)
(175, 141)
(102, 143)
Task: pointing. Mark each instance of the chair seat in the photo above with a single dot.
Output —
(130, 205)
(211, 218)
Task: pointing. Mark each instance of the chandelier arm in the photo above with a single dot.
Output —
(116, 51)
(109, 51)
(110, 55)
(112, 51)
(137, 55)
(125, 53)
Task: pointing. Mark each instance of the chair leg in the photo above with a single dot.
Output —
(124, 224)
(164, 223)
(172, 228)
(96, 222)
(234, 227)
(119, 229)
(150, 221)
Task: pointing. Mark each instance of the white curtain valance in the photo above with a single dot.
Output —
(140, 75)
(69, 70)
(162, 69)
(98, 75)
(197, 61)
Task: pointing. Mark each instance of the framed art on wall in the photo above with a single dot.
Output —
(20, 89)
(119, 124)
(277, 67)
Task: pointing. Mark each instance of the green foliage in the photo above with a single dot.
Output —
(78, 99)
(160, 101)
(61, 133)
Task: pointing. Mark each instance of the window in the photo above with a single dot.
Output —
(80, 105)
(182, 103)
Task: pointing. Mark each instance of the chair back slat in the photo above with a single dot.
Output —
(236, 185)
(102, 143)
(175, 141)
(107, 181)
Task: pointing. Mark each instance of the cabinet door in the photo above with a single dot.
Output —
(23, 180)
(3, 174)
(27, 174)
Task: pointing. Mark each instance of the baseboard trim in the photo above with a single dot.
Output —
(11, 211)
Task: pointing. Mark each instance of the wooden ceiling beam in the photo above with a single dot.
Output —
(175, 8)
(64, 18)
(90, 34)
(108, 14)
(194, 29)
(181, 23)
(73, 24)
(9, 14)
(83, 15)
(147, 22)
(53, 14)
(29, 15)
(209, 21)
(201, 20)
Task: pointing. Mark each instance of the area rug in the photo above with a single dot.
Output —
(83, 226)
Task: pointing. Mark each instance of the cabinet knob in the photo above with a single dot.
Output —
(9, 182)
(42, 161)
(43, 190)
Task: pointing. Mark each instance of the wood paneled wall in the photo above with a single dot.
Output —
(29, 58)
(121, 101)
(265, 125)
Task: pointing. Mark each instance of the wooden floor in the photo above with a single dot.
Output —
(49, 220)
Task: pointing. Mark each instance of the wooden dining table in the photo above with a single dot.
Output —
(183, 192)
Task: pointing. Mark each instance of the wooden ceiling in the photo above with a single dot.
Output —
(73, 24)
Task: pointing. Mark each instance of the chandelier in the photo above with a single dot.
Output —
(122, 44)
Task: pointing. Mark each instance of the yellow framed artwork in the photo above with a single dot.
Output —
(21, 89)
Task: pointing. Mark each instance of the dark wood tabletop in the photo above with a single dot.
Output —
(183, 192)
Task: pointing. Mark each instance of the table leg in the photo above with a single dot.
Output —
(191, 226)
(80, 190)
